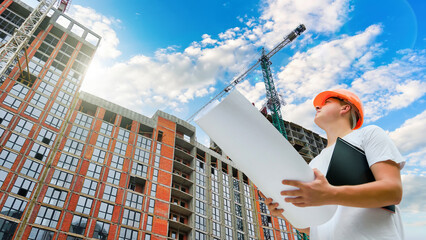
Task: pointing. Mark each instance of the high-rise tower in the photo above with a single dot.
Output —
(36, 98)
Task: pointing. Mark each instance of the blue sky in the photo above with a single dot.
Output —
(175, 55)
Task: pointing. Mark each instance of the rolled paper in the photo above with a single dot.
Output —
(260, 151)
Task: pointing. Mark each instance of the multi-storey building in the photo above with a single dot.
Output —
(36, 97)
(75, 166)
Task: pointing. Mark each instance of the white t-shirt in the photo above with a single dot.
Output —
(362, 223)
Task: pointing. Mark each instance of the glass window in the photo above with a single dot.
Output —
(153, 189)
(46, 136)
(24, 126)
(151, 206)
(5, 117)
(31, 168)
(226, 192)
(216, 214)
(94, 170)
(23, 187)
(227, 205)
(19, 90)
(114, 177)
(62, 179)
(158, 150)
(98, 155)
(149, 223)
(200, 236)
(215, 186)
(200, 193)
(117, 162)
(139, 169)
(144, 142)
(45, 89)
(39, 152)
(79, 133)
(55, 197)
(69, 87)
(216, 229)
(78, 224)
(3, 175)
(134, 200)
(251, 229)
(200, 207)
(106, 128)
(228, 219)
(237, 197)
(73, 147)
(12, 102)
(64, 98)
(128, 234)
(83, 120)
(14, 207)
(7, 228)
(68, 162)
(123, 135)
(157, 161)
(131, 218)
(32, 111)
(102, 141)
(142, 155)
(58, 110)
(15, 142)
(199, 166)
(89, 187)
(240, 225)
(38, 234)
(53, 121)
(120, 148)
(110, 193)
(39, 100)
(155, 175)
(200, 179)
(47, 217)
(84, 205)
(101, 230)
(105, 211)
(7, 158)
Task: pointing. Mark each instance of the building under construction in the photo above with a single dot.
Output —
(75, 166)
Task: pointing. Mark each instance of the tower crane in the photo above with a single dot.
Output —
(274, 101)
(15, 48)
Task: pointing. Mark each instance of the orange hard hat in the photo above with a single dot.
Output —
(344, 95)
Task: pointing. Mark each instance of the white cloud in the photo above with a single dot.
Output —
(392, 86)
(414, 188)
(322, 66)
(321, 16)
(410, 136)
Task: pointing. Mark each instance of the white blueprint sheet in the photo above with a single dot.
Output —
(262, 153)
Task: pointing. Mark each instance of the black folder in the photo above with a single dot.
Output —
(349, 166)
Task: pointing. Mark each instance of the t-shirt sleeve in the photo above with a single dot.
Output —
(379, 147)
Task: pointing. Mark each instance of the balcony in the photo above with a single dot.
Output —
(181, 194)
(178, 222)
(183, 154)
(181, 179)
(180, 209)
(182, 165)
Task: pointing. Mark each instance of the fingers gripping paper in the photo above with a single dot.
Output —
(262, 153)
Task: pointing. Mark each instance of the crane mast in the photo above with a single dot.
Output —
(274, 101)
